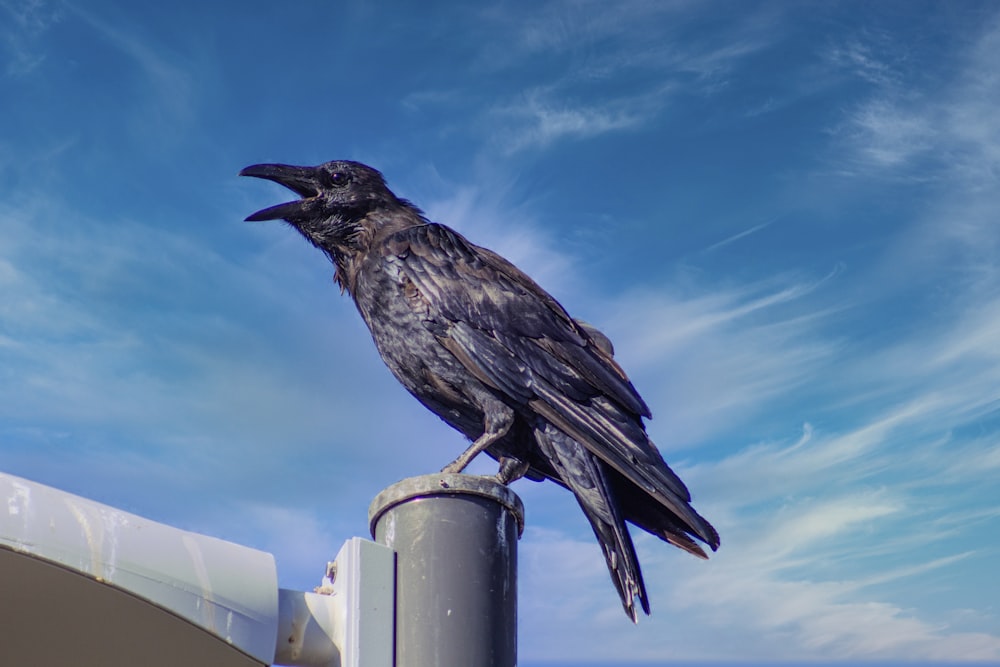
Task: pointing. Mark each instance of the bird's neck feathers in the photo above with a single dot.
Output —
(347, 241)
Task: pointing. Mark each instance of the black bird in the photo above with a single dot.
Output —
(495, 356)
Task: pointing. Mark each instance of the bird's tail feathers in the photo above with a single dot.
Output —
(685, 543)
(612, 440)
(660, 520)
(588, 478)
(623, 564)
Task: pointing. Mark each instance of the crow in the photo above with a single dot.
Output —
(481, 345)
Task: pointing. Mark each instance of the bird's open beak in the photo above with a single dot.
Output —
(301, 180)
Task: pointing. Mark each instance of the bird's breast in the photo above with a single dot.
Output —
(397, 315)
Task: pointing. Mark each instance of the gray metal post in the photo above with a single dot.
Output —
(455, 538)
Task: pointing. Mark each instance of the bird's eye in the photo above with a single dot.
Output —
(339, 178)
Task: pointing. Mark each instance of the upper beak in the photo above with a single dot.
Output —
(301, 180)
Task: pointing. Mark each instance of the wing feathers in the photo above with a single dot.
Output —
(515, 338)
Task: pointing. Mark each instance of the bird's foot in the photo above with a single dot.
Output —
(511, 470)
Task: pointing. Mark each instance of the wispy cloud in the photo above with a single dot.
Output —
(871, 56)
(29, 19)
(642, 55)
(717, 358)
(952, 134)
(801, 521)
(736, 237)
(576, 94)
(540, 118)
(128, 349)
(795, 618)
(561, 26)
(630, 36)
(864, 495)
(783, 550)
(887, 135)
(31, 16)
(755, 600)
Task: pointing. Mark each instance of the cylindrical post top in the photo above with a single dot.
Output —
(441, 484)
(455, 540)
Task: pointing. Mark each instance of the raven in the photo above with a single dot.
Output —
(481, 345)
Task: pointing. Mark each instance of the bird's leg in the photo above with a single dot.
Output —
(498, 422)
(465, 458)
(511, 469)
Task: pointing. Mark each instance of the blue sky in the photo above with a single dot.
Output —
(785, 215)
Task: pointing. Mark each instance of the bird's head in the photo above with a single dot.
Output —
(334, 196)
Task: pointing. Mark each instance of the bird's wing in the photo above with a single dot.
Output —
(514, 337)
